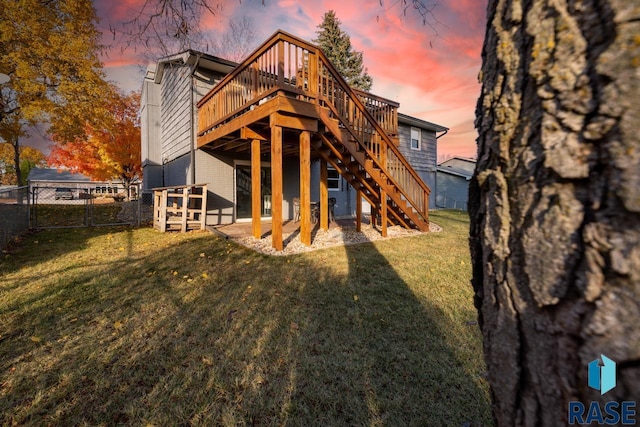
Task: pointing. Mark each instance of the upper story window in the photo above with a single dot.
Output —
(416, 138)
(334, 181)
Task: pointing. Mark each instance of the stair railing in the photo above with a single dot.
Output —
(348, 107)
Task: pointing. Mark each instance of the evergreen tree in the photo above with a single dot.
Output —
(336, 44)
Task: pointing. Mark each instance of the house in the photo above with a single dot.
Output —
(47, 184)
(283, 125)
(453, 182)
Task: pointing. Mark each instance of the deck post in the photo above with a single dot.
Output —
(203, 215)
(256, 213)
(185, 208)
(163, 212)
(358, 210)
(313, 76)
(305, 187)
(281, 63)
(383, 213)
(276, 188)
(374, 216)
(324, 195)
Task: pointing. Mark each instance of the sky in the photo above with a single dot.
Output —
(431, 70)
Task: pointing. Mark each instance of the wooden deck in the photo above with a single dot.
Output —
(287, 99)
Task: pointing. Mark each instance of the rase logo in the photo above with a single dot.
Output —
(602, 377)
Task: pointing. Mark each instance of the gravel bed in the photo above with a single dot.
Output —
(333, 237)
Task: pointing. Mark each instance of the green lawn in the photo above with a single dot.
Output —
(130, 326)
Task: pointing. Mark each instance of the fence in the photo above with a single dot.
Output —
(14, 214)
(89, 206)
(445, 202)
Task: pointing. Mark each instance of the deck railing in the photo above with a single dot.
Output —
(288, 65)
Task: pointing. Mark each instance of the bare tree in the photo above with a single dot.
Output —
(555, 204)
(163, 27)
(237, 42)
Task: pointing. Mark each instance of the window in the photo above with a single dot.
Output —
(415, 138)
(333, 179)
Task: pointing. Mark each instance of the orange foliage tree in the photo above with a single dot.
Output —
(107, 151)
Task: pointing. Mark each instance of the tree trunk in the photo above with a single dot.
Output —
(555, 203)
(16, 160)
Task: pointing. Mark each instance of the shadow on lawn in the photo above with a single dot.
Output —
(204, 332)
(49, 244)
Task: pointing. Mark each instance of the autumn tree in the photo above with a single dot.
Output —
(49, 50)
(336, 44)
(555, 204)
(29, 158)
(109, 151)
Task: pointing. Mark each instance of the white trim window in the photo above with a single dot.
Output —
(334, 180)
(416, 139)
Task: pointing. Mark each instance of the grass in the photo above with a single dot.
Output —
(48, 215)
(132, 326)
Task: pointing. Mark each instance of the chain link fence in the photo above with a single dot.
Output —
(14, 214)
(87, 206)
(51, 206)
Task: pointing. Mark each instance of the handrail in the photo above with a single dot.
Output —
(285, 63)
(399, 163)
(278, 35)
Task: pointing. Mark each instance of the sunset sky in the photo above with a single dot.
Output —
(431, 70)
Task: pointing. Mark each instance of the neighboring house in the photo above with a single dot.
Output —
(196, 131)
(52, 178)
(453, 182)
(51, 183)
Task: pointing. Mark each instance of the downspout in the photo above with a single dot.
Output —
(193, 124)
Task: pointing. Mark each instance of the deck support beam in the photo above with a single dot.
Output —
(383, 213)
(358, 210)
(324, 195)
(305, 187)
(256, 212)
(276, 188)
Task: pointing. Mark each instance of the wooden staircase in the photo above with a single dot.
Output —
(363, 174)
(355, 142)
(355, 132)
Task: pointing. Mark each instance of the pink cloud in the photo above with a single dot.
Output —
(432, 72)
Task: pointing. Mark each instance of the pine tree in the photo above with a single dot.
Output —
(336, 44)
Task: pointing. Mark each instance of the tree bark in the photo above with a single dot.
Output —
(555, 203)
(16, 160)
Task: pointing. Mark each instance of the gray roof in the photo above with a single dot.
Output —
(459, 166)
(55, 175)
(414, 121)
(190, 57)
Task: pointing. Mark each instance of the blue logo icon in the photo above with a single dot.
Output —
(602, 374)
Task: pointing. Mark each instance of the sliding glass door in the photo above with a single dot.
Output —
(243, 191)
